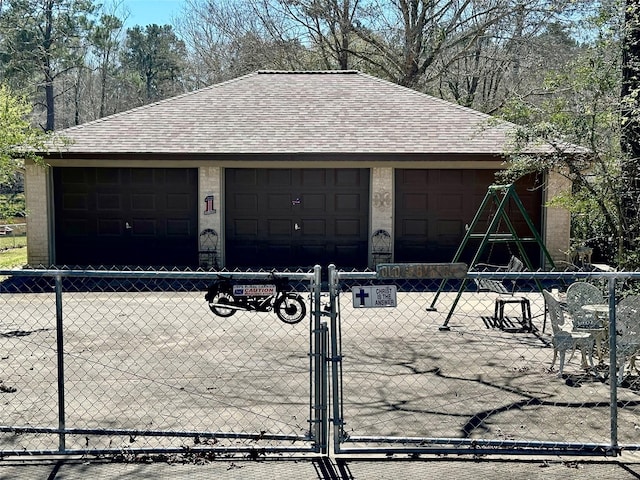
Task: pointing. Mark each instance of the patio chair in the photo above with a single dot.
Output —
(580, 294)
(627, 334)
(564, 337)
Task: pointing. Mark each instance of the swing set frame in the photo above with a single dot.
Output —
(497, 198)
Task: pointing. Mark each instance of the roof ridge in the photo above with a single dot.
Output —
(307, 72)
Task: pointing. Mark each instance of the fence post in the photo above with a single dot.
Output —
(320, 417)
(613, 371)
(336, 359)
(60, 357)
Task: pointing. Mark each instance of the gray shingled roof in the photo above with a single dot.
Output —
(294, 112)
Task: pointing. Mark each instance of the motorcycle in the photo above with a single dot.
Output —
(225, 298)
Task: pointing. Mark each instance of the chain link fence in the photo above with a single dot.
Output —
(137, 361)
(451, 369)
(134, 362)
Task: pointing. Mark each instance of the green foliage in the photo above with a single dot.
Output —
(16, 132)
(577, 124)
(18, 142)
(12, 206)
(40, 41)
(155, 55)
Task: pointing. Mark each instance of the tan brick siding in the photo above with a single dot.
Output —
(558, 220)
(210, 184)
(38, 205)
(381, 207)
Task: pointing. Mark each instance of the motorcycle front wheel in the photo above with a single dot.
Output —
(218, 302)
(290, 308)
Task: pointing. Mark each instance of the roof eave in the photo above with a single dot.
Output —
(276, 156)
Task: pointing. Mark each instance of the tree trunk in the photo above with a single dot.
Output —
(48, 73)
(49, 101)
(345, 31)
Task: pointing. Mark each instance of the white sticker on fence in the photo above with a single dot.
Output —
(376, 296)
(254, 290)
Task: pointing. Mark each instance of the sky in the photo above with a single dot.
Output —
(146, 12)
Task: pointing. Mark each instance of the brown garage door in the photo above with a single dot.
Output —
(433, 207)
(288, 218)
(126, 216)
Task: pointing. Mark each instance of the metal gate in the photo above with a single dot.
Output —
(400, 384)
(100, 362)
(104, 362)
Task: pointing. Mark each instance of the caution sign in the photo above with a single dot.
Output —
(374, 297)
(254, 290)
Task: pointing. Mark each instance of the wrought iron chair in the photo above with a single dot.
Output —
(564, 337)
(381, 247)
(627, 334)
(208, 248)
(580, 294)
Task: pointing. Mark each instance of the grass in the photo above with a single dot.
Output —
(13, 257)
(12, 241)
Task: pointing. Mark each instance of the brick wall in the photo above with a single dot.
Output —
(382, 207)
(558, 220)
(210, 196)
(37, 196)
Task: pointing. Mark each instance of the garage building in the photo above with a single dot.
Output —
(274, 170)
